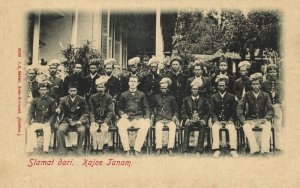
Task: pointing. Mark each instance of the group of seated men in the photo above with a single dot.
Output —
(96, 102)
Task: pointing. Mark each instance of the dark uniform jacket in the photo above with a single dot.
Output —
(101, 108)
(222, 109)
(239, 85)
(90, 84)
(230, 84)
(42, 110)
(113, 86)
(77, 80)
(33, 87)
(259, 108)
(135, 106)
(74, 111)
(177, 88)
(56, 89)
(205, 89)
(275, 86)
(201, 108)
(150, 84)
(165, 107)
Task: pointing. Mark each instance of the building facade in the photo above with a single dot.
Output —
(119, 35)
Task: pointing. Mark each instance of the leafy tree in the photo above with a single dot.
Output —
(82, 54)
(198, 32)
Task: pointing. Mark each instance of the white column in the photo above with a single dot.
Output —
(74, 28)
(96, 33)
(124, 42)
(36, 39)
(100, 31)
(159, 46)
(113, 38)
(108, 50)
(121, 43)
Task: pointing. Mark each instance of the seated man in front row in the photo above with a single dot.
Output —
(260, 112)
(134, 112)
(222, 112)
(101, 112)
(195, 114)
(75, 116)
(41, 116)
(166, 113)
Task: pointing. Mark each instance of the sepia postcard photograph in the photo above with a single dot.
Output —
(150, 94)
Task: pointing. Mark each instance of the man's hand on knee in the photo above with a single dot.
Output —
(263, 121)
(229, 122)
(94, 127)
(125, 116)
(104, 128)
(175, 120)
(188, 122)
(202, 122)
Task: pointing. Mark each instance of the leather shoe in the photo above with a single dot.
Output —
(136, 153)
(80, 151)
(170, 152)
(158, 152)
(234, 154)
(62, 152)
(216, 154)
(127, 154)
(255, 153)
(265, 154)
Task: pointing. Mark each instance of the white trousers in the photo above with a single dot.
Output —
(159, 133)
(265, 136)
(216, 135)
(100, 138)
(278, 128)
(143, 125)
(32, 138)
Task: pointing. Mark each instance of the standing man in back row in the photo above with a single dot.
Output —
(77, 79)
(242, 84)
(150, 82)
(178, 78)
(90, 86)
(223, 67)
(112, 85)
(133, 71)
(56, 87)
(205, 89)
